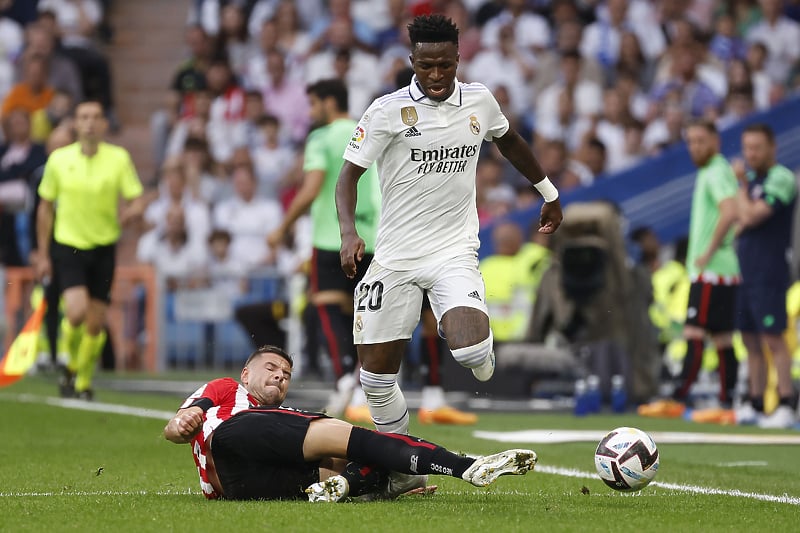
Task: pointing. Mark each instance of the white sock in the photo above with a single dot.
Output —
(475, 356)
(432, 397)
(387, 405)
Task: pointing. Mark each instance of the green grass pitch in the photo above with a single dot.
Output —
(70, 470)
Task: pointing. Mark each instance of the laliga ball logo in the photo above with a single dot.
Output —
(626, 459)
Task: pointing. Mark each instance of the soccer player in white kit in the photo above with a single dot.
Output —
(425, 139)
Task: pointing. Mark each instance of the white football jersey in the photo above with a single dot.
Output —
(427, 153)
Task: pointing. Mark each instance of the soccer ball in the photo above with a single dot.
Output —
(626, 459)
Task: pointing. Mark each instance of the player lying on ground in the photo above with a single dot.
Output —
(247, 446)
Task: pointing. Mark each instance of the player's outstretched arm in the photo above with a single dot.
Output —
(353, 246)
(516, 150)
(184, 425)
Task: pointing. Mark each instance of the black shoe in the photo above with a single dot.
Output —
(87, 395)
(66, 384)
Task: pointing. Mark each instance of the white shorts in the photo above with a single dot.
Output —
(387, 303)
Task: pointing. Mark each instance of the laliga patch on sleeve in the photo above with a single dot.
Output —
(358, 138)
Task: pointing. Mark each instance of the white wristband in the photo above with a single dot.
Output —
(547, 190)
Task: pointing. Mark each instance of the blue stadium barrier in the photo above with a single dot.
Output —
(658, 192)
(230, 344)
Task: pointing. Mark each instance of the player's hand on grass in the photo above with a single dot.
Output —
(352, 251)
(550, 217)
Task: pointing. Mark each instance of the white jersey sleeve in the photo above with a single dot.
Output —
(370, 137)
(499, 125)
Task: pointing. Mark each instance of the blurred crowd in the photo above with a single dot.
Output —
(596, 86)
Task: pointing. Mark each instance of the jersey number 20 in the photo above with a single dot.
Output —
(369, 296)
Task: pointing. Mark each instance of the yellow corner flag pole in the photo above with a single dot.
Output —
(21, 354)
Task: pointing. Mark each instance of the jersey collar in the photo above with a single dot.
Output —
(418, 95)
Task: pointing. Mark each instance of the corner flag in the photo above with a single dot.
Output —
(21, 354)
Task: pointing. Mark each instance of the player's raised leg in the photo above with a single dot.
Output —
(470, 340)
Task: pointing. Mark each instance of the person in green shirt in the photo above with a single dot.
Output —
(332, 291)
(713, 270)
(85, 180)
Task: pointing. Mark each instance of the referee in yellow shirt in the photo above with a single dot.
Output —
(85, 181)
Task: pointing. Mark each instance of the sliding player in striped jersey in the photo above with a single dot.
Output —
(247, 446)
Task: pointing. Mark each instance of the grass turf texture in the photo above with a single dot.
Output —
(50, 480)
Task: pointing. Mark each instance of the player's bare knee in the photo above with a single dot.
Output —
(464, 327)
(475, 355)
(383, 358)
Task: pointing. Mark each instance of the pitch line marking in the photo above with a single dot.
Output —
(83, 405)
(557, 436)
(694, 489)
(544, 469)
(100, 493)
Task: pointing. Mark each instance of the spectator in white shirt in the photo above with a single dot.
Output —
(222, 271)
(505, 63)
(170, 253)
(225, 131)
(548, 62)
(172, 192)
(781, 35)
(272, 159)
(601, 39)
(361, 67)
(763, 86)
(531, 31)
(248, 218)
(586, 95)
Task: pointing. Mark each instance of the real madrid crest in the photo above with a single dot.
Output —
(409, 115)
(359, 324)
(474, 125)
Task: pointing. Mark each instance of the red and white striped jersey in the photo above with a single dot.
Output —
(229, 397)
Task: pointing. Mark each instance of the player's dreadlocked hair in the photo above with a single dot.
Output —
(432, 29)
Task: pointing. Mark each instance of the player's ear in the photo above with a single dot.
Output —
(245, 376)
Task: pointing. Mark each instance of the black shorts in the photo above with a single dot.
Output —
(327, 273)
(258, 454)
(93, 268)
(712, 307)
(761, 310)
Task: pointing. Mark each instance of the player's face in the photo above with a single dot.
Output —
(435, 65)
(758, 152)
(267, 378)
(702, 144)
(89, 121)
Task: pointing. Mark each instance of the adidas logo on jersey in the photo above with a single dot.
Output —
(412, 132)
(474, 294)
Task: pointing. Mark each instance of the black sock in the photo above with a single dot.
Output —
(758, 404)
(363, 479)
(728, 374)
(788, 401)
(431, 358)
(404, 453)
(337, 330)
(691, 367)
